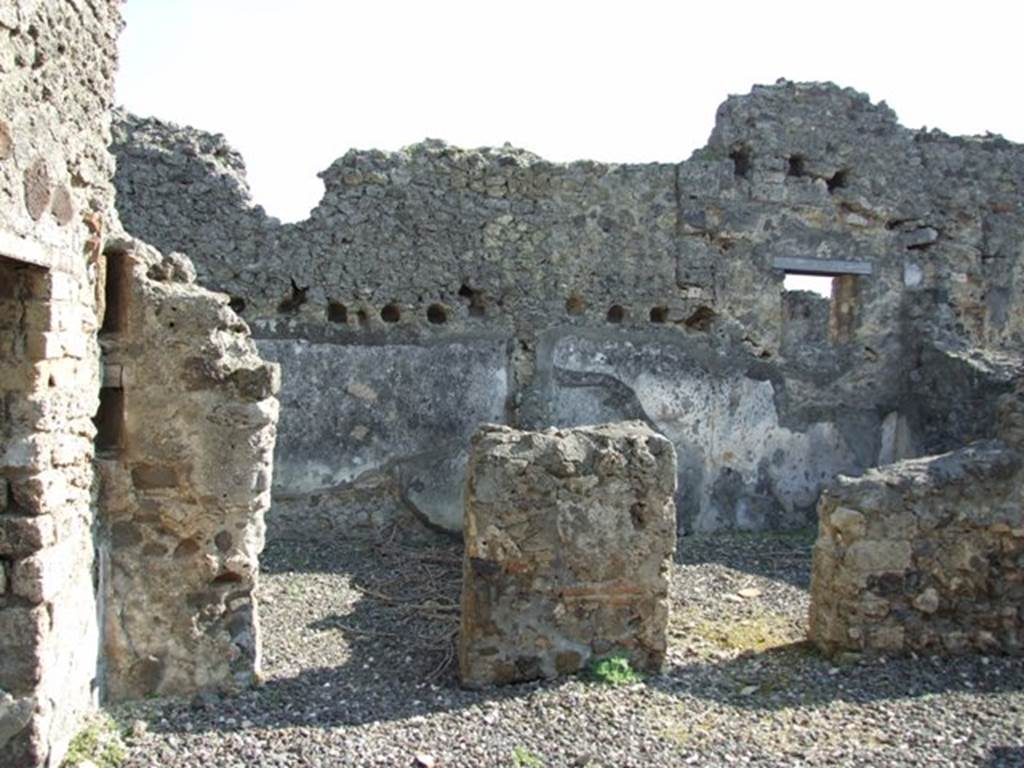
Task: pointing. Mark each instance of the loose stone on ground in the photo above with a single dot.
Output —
(354, 632)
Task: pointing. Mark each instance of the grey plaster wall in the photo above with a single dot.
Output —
(739, 466)
(629, 291)
(403, 411)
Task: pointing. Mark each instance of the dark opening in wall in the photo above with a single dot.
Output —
(838, 180)
(391, 313)
(115, 291)
(437, 314)
(575, 305)
(701, 319)
(659, 314)
(237, 304)
(109, 421)
(741, 161)
(616, 313)
(295, 300)
(796, 166)
(337, 312)
(477, 304)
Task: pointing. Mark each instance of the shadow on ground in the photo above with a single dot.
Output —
(398, 629)
(778, 555)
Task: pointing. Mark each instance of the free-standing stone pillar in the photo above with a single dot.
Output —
(569, 542)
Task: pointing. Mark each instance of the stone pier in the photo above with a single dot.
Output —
(569, 543)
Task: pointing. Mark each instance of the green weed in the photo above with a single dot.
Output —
(614, 670)
(524, 758)
(100, 742)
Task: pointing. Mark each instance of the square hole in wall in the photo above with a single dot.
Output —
(109, 421)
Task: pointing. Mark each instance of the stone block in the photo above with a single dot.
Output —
(259, 383)
(15, 714)
(41, 493)
(848, 522)
(21, 635)
(52, 345)
(37, 188)
(868, 556)
(21, 535)
(41, 576)
(153, 476)
(569, 539)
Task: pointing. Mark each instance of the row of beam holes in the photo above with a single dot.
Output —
(700, 319)
(437, 314)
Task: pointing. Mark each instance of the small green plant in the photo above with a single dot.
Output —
(100, 742)
(524, 758)
(615, 670)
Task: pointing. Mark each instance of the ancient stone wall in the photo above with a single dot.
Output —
(565, 294)
(49, 632)
(72, 580)
(56, 71)
(926, 555)
(186, 481)
(569, 542)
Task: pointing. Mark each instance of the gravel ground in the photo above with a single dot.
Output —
(358, 641)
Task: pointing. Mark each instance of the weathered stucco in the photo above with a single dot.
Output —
(629, 291)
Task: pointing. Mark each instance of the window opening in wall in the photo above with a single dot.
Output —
(391, 313)
(337, 312)
(796, 166)
(659, 314)
(437, 314)
(109, 421)
(237, 304)
(840, 290)
(616, 313)
(819, 284)
(115, 291)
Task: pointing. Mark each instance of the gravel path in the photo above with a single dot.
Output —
(358, 641)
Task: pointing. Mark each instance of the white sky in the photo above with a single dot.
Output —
(295, 84)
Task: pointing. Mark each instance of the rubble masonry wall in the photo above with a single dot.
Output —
(436, 288)
(81, 567)
(56, 77)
